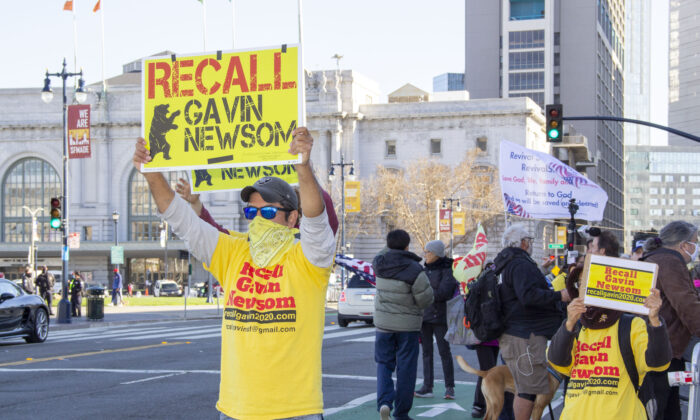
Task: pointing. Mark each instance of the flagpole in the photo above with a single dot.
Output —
(102, 21)
(75, 42)
(204, 23)
(302, 82)
(233, 23)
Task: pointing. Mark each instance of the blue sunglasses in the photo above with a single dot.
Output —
(267, 212)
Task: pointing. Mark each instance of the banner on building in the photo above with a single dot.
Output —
(353, 203)
(221, 110)
(458, 221)
(445, 224)
(237, 178)
(618, 283)
(467, 268)
(537, 185)
(79, 131)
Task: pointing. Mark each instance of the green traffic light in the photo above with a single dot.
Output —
(553, 133)
(55, 223)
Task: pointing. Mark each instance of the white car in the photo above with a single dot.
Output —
(356, 302)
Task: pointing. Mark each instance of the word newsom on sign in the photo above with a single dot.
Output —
(618, 283)
(221, 110)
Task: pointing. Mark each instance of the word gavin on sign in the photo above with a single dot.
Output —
(79, 131)
(237, 178)
(618, 283)
(223, 110)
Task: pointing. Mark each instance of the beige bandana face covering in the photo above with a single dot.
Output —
(269, 241)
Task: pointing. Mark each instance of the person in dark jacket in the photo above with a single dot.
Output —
(403, 291)
(438, 268)
(76, 294)
(45, 285)
(674, 248)
(531, 316)
(28, 280)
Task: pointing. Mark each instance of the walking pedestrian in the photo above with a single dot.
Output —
(270, 355)
(438, 268)
(403, 291)
(674, 248)
(76, 294)
(28, 280)
(45, 286)
(117, 286)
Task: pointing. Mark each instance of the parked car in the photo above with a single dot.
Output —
(22, 314)
(356, 302)
(168, 288)
(201, 288)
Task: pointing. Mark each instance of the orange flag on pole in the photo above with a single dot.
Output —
(68, 5)
(97, 7)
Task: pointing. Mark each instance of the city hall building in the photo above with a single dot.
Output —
(344, 114)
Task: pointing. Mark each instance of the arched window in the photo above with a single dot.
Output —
(143, 217)
(30, 182)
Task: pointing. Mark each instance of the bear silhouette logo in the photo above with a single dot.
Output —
(161, 124)
(202, 175)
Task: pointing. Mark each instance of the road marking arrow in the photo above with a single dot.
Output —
(438, 409)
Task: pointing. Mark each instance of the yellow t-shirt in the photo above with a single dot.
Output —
(271, 333)
(600, 387)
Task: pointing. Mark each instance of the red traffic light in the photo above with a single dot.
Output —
(55, 202)
(554, 112)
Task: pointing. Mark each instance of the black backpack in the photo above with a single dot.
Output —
(482, 308)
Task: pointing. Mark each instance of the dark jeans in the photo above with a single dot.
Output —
(427, 331)
(668, 402)
(48, 298)
(396, 351)
(75, 303)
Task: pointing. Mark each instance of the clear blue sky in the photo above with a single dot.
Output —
(391, 41)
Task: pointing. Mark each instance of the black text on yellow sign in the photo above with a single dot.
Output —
(618, 283)
(353, 203)
(224, 179)
(231, 109)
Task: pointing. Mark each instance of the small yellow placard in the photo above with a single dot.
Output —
(618, 283)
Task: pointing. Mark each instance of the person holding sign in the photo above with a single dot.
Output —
(275, 285)
(588, 347)
(675, 247)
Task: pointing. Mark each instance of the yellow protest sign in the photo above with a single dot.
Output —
(222, 110)
(618, 283)
(458, 227)
(352, 197)
(237, 178)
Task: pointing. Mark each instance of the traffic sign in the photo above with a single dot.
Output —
(117, 255)
(557, 246)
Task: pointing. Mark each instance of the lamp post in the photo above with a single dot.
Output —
(80, 96)
(164, 244)
(331, 175)
(451, 200)
(33, 249)
(115, 219)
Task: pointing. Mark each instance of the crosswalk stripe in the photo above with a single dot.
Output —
(352, 331)
(174, 334)
(155, 332)
(369, 339)
(96, 331)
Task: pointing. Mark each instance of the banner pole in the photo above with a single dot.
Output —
(302, 82)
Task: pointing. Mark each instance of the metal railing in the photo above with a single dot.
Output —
(691, 378)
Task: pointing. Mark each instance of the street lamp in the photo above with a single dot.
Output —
(32, 251)
(115, 218)
(80, 96)
(331, 176)
(459, 208)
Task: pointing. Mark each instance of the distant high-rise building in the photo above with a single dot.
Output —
(554, 51)
(448, 81)
(683, 65)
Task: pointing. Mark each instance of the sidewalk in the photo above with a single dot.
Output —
(124, 315)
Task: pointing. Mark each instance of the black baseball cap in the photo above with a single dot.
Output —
(272, 190)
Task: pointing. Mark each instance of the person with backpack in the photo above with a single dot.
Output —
(607, 354)
(45, 285)
(530, 314)
(674, 248)
(438, 268)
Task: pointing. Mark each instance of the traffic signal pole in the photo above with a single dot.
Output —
(571, 233)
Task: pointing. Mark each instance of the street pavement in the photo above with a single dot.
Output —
(152, 363)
